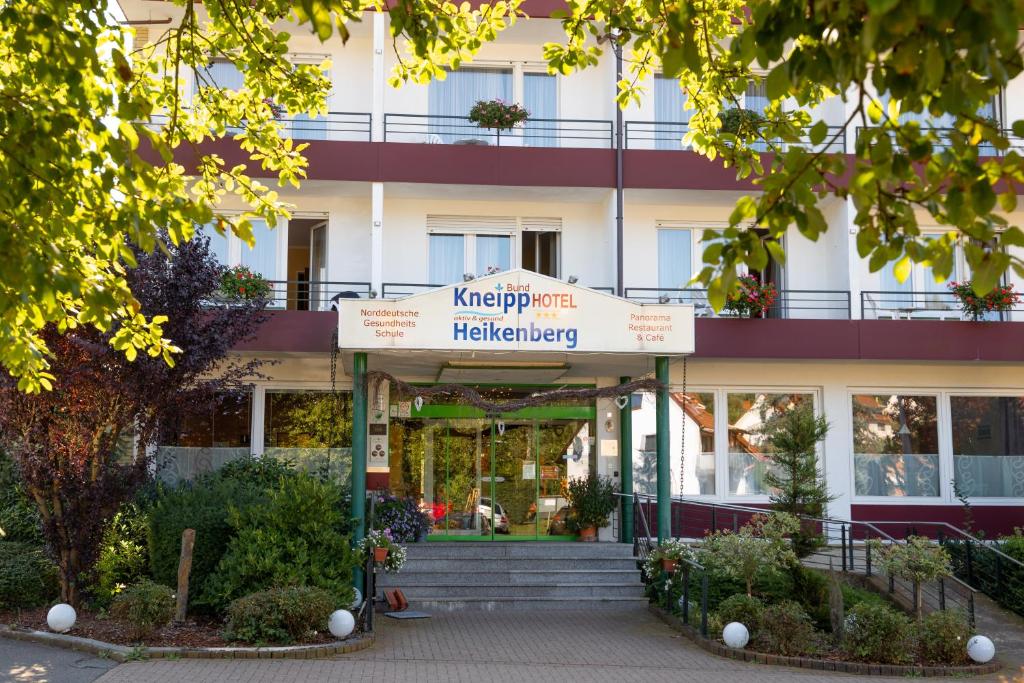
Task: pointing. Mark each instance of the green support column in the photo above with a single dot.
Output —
(663, 445)
(358, 454)
(626, 467)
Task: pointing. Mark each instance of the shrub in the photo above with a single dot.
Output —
(918, 560)
(19, 518)
(744, 609)
(146, 606)
(123, 559)
(278, 615)
(788, 630)
(204, 505)
(401, 516)
(878, 633)
(942, 638)
(27, 576)
(294, 539)
(757, 547)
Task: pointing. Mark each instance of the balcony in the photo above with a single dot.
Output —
(667, 135)
(306, 295)
(397, 290)
(806, 304)
(881, 305)
(340, 126)
(984, 149)
(459, 130)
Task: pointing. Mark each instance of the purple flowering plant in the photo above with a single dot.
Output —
(399, 518)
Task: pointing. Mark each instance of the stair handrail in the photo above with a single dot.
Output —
(989, 545)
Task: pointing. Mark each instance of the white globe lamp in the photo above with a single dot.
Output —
(981, 649)
(61, 618)
(357, 600)
(341, 623)
(735, 635)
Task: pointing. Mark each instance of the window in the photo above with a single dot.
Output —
(988, 445)
(493, 253)
(540, 252)
(456, 95)
(675, 259)
(311, 428)
(697, 410)
(920, 296)
(669, 115)
(478, 245)
(262, 258)
(218, 243)
(747, 414)
(202, 441)
(447, 259)
(895, 445)
(540, 98)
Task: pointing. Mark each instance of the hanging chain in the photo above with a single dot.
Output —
(334, 361)
(682, 435)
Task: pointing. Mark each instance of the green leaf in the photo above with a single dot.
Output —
(778, 84)
(901, 269)
(818, 132)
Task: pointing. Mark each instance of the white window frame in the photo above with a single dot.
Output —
(469, 247)
(946, 441)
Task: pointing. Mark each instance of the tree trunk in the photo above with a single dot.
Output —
(918, 601)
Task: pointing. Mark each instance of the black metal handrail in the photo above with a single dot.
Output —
(892, 305)
(314, 295)
(669, 134)
(443, 129)
(791, 303)
(335, 125)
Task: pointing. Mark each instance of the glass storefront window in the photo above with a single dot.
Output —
(313, 429)
(747, 414)
(988, 445)
(895, 445)
(198, 442)
(698, 457)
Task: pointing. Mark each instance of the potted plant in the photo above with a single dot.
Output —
(667, 556)
(497, 114)
(241, 283)
(751, 298)
(385, 552)
(1000, 300)
(740, 121)
(592, 499)
(401, 517)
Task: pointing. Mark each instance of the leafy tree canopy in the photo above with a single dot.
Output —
(80, 192)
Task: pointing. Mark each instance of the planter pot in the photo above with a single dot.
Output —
(669, 565)
(380, 554)
(589, 534)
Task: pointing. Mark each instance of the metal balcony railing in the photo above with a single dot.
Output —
(669, 134)
(459, 130)
(305, 295)
(397, 290)
(824, 304)
(336, 125)
(984, 148)
(883, 305)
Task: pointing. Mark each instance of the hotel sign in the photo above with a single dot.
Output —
(515, 311)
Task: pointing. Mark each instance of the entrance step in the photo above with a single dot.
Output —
(510, 575)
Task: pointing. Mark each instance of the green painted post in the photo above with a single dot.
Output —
(663, 446)
(358, 455)
(626, 467)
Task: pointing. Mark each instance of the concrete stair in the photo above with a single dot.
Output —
(517, 575)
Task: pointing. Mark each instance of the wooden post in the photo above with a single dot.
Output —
(188, 541)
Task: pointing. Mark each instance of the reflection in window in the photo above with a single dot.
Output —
(748, 458)
(988, 445)
(197, 442)
(895, 445)
(313, 429)
(697, 410)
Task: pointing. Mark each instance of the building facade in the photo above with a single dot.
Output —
(405, 195)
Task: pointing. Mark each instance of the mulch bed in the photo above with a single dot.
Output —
(191, 633)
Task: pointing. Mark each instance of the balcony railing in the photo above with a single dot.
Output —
(397, 290)
(819, 304)
(336, 125)
(919, 306)
(668, 135)
(305, 295)
(984, 148)
(459, 130)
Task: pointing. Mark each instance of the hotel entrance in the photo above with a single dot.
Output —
(483, 478)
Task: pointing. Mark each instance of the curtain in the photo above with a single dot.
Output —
(262, 258)
(897, 294)
(674, 259)
(457, 94)
(540, 97)
(446, 259)
(669, 116)
(223, 75)
(218, 242)
(493, 251)
(756, 99)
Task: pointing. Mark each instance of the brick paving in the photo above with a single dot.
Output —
(627, 644)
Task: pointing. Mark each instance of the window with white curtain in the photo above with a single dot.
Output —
(453, 255)
(540, 98)
(262, 257)
(493, 253)
(456, 95)
(675, 259)
(218, 242)
(920, 295)
(446, 259)
(669, 116)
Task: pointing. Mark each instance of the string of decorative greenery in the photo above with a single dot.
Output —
(539, 398)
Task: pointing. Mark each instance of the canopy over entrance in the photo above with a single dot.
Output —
(512, 326)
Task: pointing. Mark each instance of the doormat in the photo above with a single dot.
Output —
(407, 614)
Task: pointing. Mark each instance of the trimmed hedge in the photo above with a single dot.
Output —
(280, 615)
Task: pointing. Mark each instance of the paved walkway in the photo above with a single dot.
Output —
(22, 662)
(610, 645)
